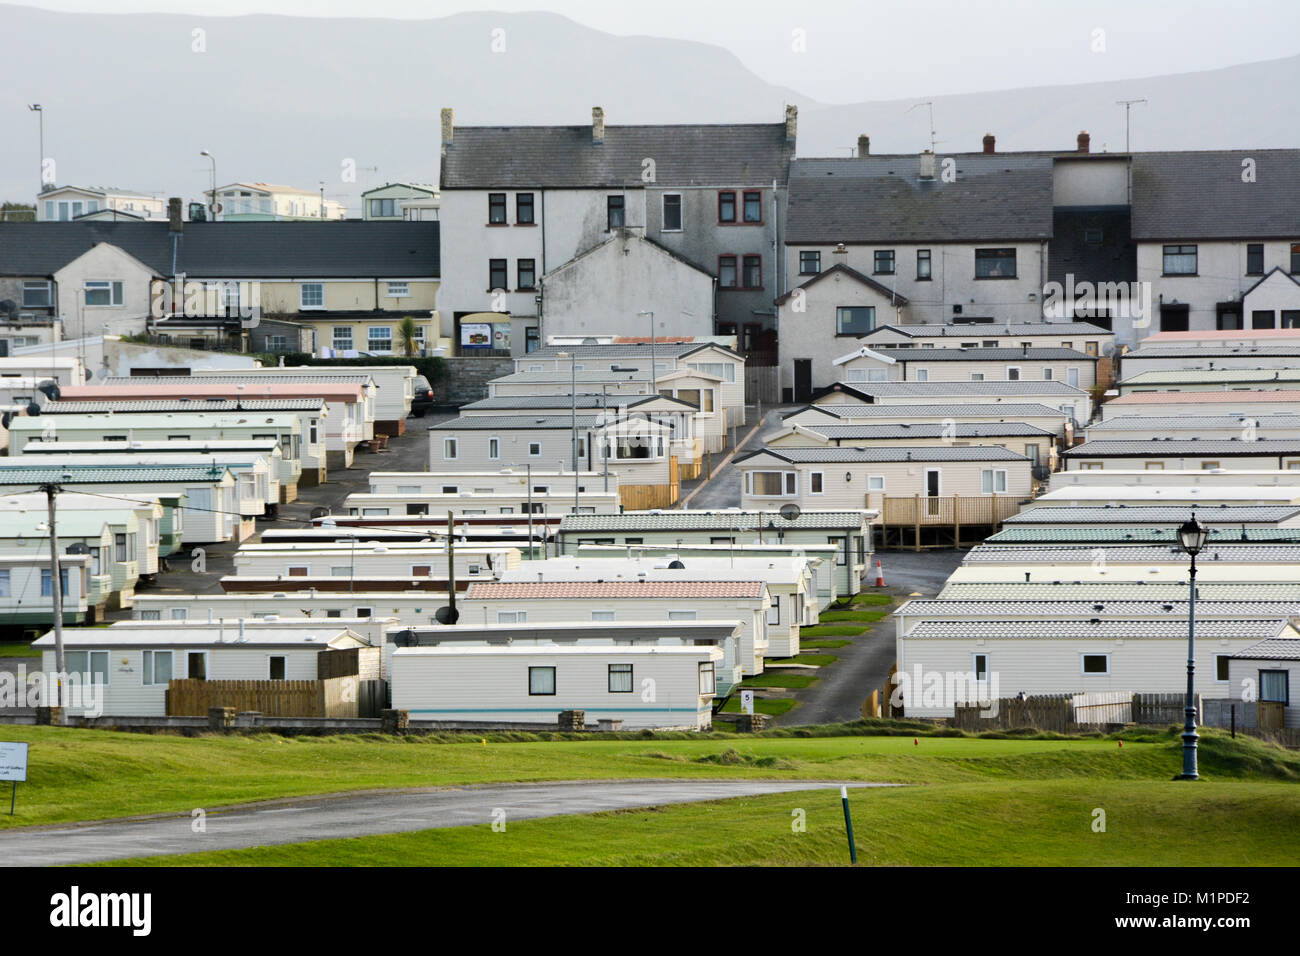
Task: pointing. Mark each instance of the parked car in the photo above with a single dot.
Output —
(422, 401)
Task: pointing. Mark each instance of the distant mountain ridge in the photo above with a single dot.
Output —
(130, 100)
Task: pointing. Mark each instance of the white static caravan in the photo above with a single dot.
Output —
(511, 481)
(1224, 427)
(531, 685)
(1070, 401)
(394, 388)
(115, 550)
(818, 417)
(820, 558)
(148, 512)
(362, 505)
(26, 599)
(1249, 403)
(392, 560)
(64, 370)
(363, 416)
(531, 602)
(198, 501)
(133, 663)
(1068, 657)
(789, 582)
(18, 392)
(404, 608)
(257, 482)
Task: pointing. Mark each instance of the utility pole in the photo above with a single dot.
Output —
(1127, 104)
(40, 113)
(56, 587)
(451, 566)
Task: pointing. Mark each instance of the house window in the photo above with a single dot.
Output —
(94, 663)
(726, 272)
(923, 375)
(450, 449)
(36, 295)
(774, 611)
(398, 290)
(512, 617)
(727, 206)
(527, 274)
(1221, 667)
(772, 484)
(620, 678)
(383, 208)
(342, 340)
(602, 615)
(753, 272)
(1275, 687)
(977, 376)
(524, 209)
(379, 338)
(995, 263)
(875, 482)
(496, 209)
(103, 293)
(810, 262)
(672, 212)
(1013, 373)
(683, 615)
(534, 449)
(196, 665)
(496, 275)
(923, 265)
(753, 207)
(275, 667)
(708, 684)
(1098, 664)
(993, 480)
(614, 212)
(1290, 319)
(980, 666)
(119, 547)
(884, 262)
(1263, 319)
(815, 480)
(541, 681)
(1255, 259)
(1047, 375)
(855, 320)
(157, 668)
(1180, 260)
(494, 448)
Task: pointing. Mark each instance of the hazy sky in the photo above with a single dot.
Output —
(881, 49)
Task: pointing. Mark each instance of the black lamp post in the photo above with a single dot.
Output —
(1191, 538)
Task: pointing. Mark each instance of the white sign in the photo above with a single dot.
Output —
(13, 761)
(746, 701)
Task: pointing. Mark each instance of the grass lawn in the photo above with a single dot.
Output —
(986, 802)
(831, 630)
(818, 645)
(772, 706)
(20, 649)
(789, 681)
(866, 617)
(866, 597)
(820, 660)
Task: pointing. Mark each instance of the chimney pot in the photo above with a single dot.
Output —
(597, 125)
(864, 145)
(1084, 140)
(791, 123)
(448, 126)
(175, 221)
(927, 165)
(988, 143)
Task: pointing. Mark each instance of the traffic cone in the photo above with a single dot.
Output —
(880, 575)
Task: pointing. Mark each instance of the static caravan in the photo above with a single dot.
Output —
(1166, 518)
(394, 560)
(1271, 668)
(148, 512)
(819, 558)
(322, 410)
(1036, 444)
(976, 364)
(1211, 380)
(256, 472)
(198, 501)
(1232, 454)
(130, 665)
(394, 388)
(1179, 358)
(792, 592)
(530, 602)
(413, 609)
(511, 481)
(64, 370)
(849, 413)
(531, 685)
(1070, 401)
(978, 660)
(26, 598)
(1250, 403)
(515, 535)
(1215, 427)
(362, 505)
(850, 531)
(114, 550)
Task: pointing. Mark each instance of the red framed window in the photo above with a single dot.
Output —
(727, 272)
(752, 272)
(753, 208)
(727, 205)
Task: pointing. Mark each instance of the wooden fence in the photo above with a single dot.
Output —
(1103, 707)
(646, 497)
(946, 515)
(1163, 708)
(1054, 713)
(336, 697)
(762, 384)
(1068, 713)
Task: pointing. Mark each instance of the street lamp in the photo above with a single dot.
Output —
(528, 466)
(573, 389)
(212, 205)
(1191, 538)
(40, 113)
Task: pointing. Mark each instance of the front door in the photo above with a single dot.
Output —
(932, 488)
(802, 380)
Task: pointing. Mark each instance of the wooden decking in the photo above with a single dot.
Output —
(920, 521)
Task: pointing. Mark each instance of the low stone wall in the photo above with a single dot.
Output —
(466, 379)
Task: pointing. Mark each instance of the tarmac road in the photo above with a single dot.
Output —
(363, 814)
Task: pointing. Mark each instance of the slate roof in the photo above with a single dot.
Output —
(987, 413)
(1224, 376)
(1200, 194)
(1142, 514)
(995, 198)
(1276, 649)
(200, 405)
(1118, 591)
(974, 389)
(537, 590)
(1209, 396)
(29, 474)
(1138, 554)
(1086, 610)
(1106, 629)
(1162, 424)
(1104, 534)
(936, 430)
(230, 250)
(1121, 448)
(508, 157)
(984, 355)
(974, 329)
(887, 453)
(1213, 351)
(709, 520)
(840, 268)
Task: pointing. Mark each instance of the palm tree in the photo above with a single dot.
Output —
(407, 333)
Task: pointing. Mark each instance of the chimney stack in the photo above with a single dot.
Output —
(791, 123)
(841, 255)
(927, 165)
(597, 125)
(1084, 140)
(175, 221)
(864, 145)
(988, 143)
(448, 126)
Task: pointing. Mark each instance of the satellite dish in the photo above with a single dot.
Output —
(32, 409)
(446, 615)
(676, 564)
(789, 512)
